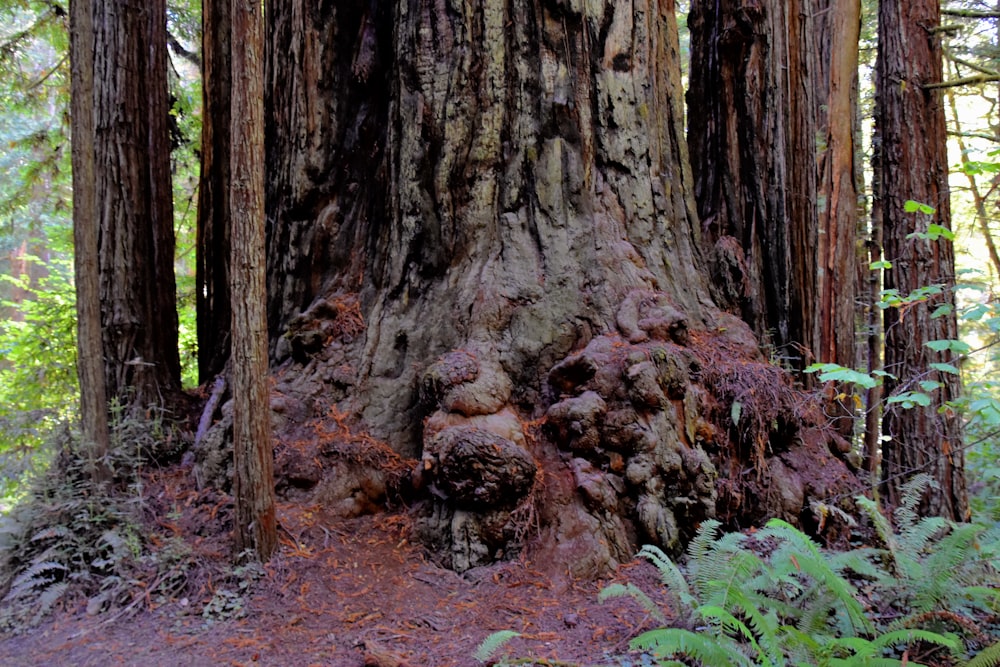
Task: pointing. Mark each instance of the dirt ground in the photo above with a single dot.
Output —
(352, 593)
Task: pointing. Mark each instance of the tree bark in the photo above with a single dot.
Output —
(135, 203)
(771, 110)
(256, 526)
(482, 237)
(86, 228)
(212, 274)
(911, 134)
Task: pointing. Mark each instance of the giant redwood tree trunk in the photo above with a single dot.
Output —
(134, 202)
(482, 238)
(912, 165)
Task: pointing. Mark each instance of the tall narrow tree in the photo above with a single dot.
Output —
(256, 527)
(910, 135)
(212, 274)
(134, 202)
(90, 357)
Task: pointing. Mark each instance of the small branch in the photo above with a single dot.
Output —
(973, 66)
(970, 14)
(179, 49)
(964, 81)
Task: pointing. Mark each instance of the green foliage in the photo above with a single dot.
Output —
(933, 564)
(229, 601)
(775, 598)
(989, 657)
(74, 539)
(490, 646)
(38, 384)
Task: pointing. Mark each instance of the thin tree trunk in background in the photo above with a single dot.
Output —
(838, 26)
(135, 203)
(90, 358)
(978, 200)
(911, 134)
(212, 274)
(253, 483)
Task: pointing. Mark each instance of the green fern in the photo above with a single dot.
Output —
(492, 644)
(989, 657)
(714, 650)
(634, 592)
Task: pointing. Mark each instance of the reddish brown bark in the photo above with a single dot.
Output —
(135, 202)
(253, 478)
(86, 229)
(771, 112)
(911, 135)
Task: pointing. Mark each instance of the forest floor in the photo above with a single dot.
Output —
(341, 593)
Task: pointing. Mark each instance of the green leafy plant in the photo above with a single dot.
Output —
(771, 598)
(74, 539)
(935, 564)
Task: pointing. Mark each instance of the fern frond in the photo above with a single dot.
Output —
(908, 636)
(671, 577)
(49, 597)
(634, 592)
(32, 578)
(718, 651)
(906, 514)
(988, 657)
(51, 532)
(702, 543)
(493, 643)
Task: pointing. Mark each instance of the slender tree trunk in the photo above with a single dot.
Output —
(86, 228)
(212, 275)
(256, 527)
(833, 309)
(135, 203)
(911, 134)
(978, 198)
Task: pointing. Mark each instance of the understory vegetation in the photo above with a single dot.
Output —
(924, 591)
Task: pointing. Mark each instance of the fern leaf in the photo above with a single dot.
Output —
(33, 578)
(908, 636)
(989, 657)
(671, 577)
(51, 532)
(493, 643)
(49, 597)
(718, 651)
(634, 592)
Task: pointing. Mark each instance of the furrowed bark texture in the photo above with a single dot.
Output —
(86, 228)
(212, 273)
(135, 202)
(253, 477)
(911, 135)
(482, 241)
(327, 97)
(770, 109)
(538, 177)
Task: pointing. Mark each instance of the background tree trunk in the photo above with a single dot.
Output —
(911, 135)
(90, 358)
(771, 109)
(253, 479)
(132, 148)
(212, 274)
